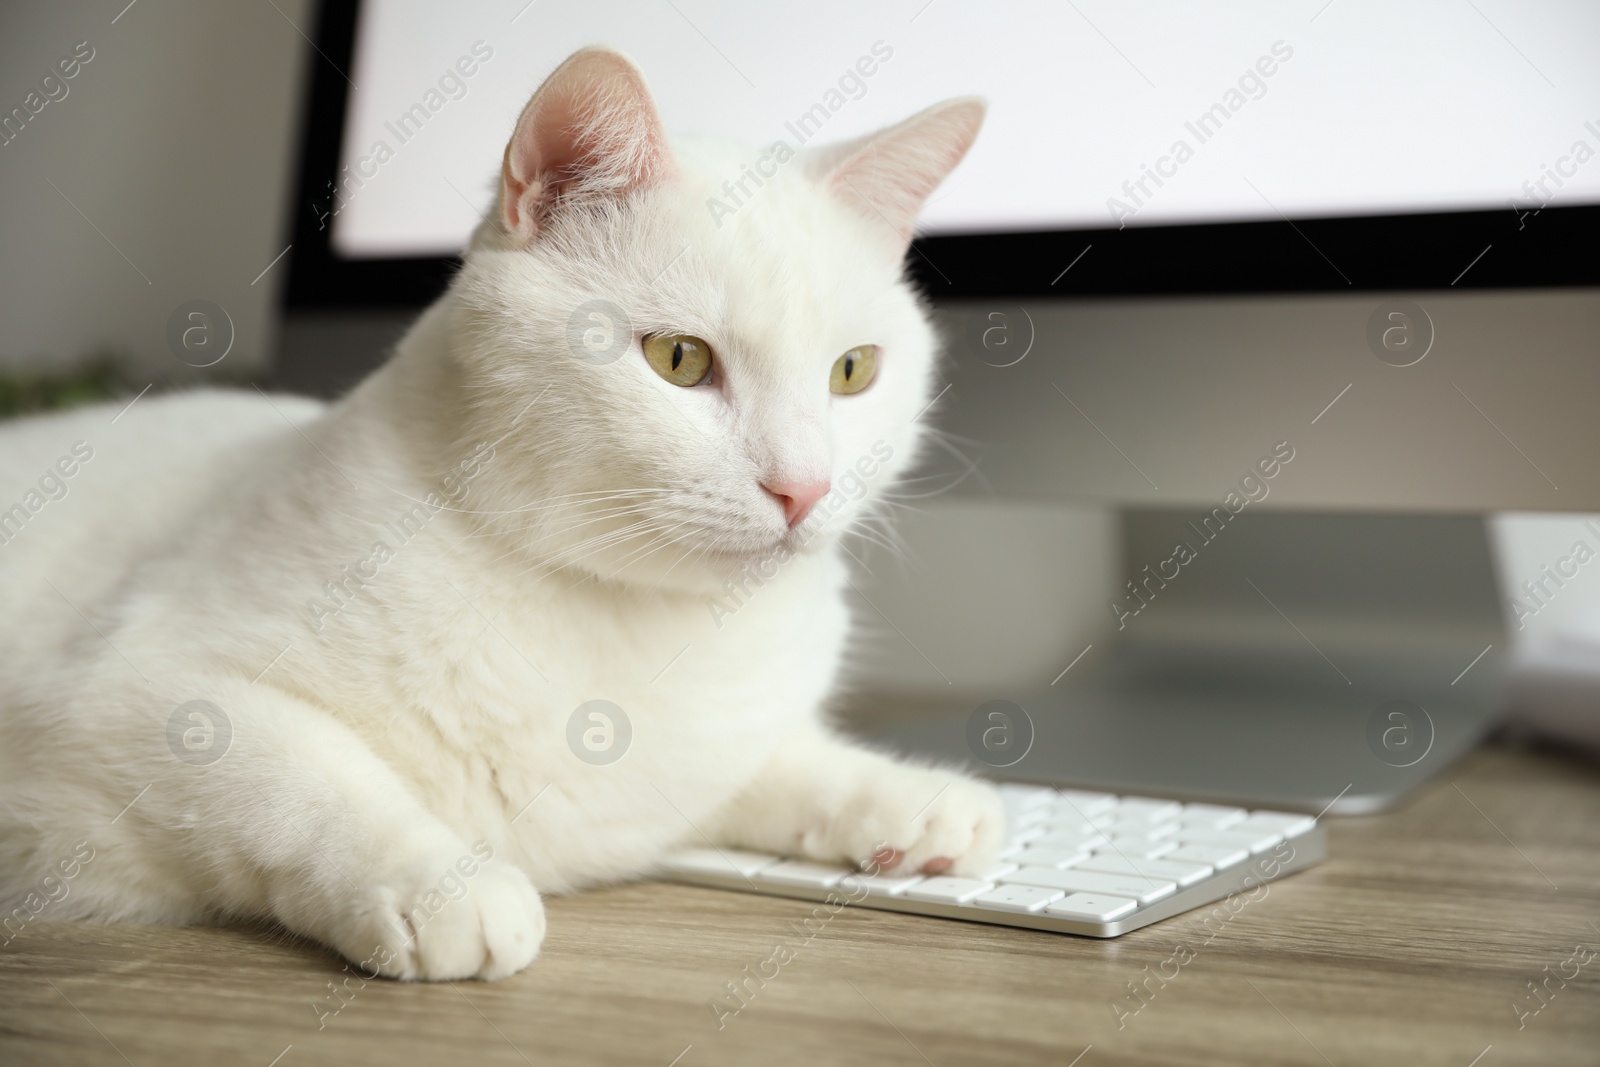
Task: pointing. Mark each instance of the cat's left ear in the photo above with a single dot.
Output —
(890, 174)
(592, 129)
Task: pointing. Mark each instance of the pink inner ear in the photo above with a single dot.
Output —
(891, 174)
(591, 123)
(544, 150)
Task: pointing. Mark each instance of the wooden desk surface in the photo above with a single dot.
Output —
(1412, 945)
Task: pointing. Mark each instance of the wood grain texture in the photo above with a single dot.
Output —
(1409, 946)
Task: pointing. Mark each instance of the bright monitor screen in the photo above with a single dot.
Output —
(1102, 113)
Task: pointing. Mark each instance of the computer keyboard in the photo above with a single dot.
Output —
(1074, 862)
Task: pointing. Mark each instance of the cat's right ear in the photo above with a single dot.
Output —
(591, 129)
(890, 174)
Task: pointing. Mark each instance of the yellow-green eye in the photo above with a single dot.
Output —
(679, 358)
(853, 371)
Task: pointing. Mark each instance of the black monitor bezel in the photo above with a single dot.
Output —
(1497, 249)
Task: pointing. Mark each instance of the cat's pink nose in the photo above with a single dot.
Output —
(797, 497)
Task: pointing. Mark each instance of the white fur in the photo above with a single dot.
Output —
(585, 558)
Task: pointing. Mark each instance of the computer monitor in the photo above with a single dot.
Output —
(1303, 292)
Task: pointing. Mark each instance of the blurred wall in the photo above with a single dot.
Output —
(158, 175)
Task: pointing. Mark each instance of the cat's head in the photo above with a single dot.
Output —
(696, 356)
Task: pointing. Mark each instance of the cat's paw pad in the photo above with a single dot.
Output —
(914, 820)
(433, 924)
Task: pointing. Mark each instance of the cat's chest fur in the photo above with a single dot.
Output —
(583, 726)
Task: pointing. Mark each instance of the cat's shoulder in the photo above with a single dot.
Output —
(142, 442)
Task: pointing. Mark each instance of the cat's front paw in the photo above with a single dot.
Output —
(913, 819)
(434, 921)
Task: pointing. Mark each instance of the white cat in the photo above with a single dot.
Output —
(334, 665)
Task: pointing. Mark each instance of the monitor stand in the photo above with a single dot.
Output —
(1305, 661)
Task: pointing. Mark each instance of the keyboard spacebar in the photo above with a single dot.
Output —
(1144, 890)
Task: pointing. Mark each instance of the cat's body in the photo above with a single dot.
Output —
(399, 606)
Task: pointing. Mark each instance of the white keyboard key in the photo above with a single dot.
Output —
(1138, 846)
(1019, 898)
(944, 890)
(888, 885)
(1149, 808)
(1020, 817)
(1213, 815)
(1185, 874)
(1083, 801)
(1018, 835)
(729, 861)
(1026, 796)
(1092, 907)
(1048, 857)
(1286, 823)
(1062, 819)
(1067, 839)
(1144, 890)
(1140, 828)
(1219, 856)
(1254, 840)
(996, 869)
(798, 872)
(1071, 832)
